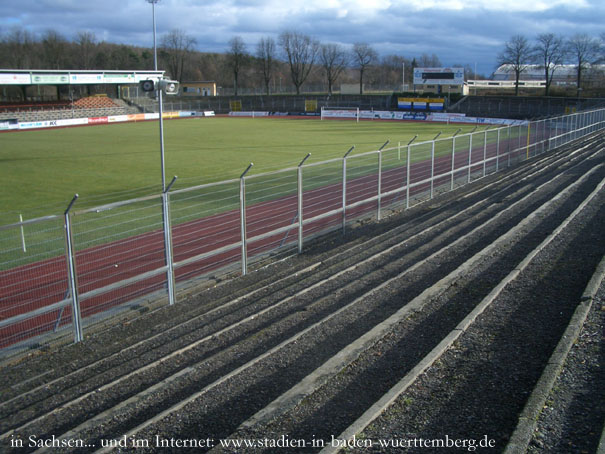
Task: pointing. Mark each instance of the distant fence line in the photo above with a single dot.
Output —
(61, 274)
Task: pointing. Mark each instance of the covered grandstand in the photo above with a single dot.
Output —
(33, 95)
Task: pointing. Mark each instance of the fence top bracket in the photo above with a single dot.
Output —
(304, 159)
(71, 204)
(170, 185)
(247, 170)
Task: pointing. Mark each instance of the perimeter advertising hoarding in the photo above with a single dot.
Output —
(15, 79)
(120, 79)
(86, 79)
(13, 123)
(438, 76)
(50, 79)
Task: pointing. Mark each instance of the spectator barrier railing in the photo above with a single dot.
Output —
(63, 274)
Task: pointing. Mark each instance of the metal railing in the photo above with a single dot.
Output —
(61, 274)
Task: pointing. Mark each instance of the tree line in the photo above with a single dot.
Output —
(549, 51)
(291, 60)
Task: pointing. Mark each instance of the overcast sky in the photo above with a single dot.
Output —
(457, 31)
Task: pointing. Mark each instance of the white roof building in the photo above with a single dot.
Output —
(563, 74)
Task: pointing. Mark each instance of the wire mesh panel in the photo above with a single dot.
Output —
(322, 195)
(394, 165)
(492, 151)
(551, 132)
(521, 150)
(565, 128)
(532, 139)
(442, 165)
(271, 204)
(477, 153)
(461, 146)
(205, 228)
(420, 172)
(537, 137)
(118, 249)
(33, 275)
(362, 185)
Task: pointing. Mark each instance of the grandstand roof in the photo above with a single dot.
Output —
(74, 77)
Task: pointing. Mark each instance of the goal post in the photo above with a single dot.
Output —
(340, 113)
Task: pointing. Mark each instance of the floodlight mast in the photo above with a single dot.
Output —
(159, 95)
(165, 209)
(155, 51)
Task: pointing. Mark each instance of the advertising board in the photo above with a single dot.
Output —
(50, 79)
(15, 79)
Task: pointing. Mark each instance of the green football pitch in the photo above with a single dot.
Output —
(42, 170)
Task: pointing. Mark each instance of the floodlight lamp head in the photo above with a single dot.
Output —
(169, 87)
(153, 1)
(147, 85)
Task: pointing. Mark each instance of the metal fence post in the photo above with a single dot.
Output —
(539, 136)
(407, 185)
(470, 153)
(23, 246)
(242, 216)
(433, 163)
(485, 151)
(508, 141)
(344, 188)
(380, 179)
(300, 203)
(498, 151)
(432, 168)
(72, 276)
(453, 162)
(168, 243)
(454, 157)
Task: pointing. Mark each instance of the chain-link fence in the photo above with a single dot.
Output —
(59, 275)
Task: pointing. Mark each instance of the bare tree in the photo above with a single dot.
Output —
(429, 61)
(54, 48)
(236, 58)
(176, 47)
(301, 51)
(584, 49)
(363, 56)
(86, 44)
(18, 49)
(549, 53)
(517, 55)
(333, 58)
(265, 54)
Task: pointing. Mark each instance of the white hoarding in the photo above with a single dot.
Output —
(15, 79)
(438, 76)
(86, 79)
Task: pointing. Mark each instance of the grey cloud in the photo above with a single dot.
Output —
(467, 36)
